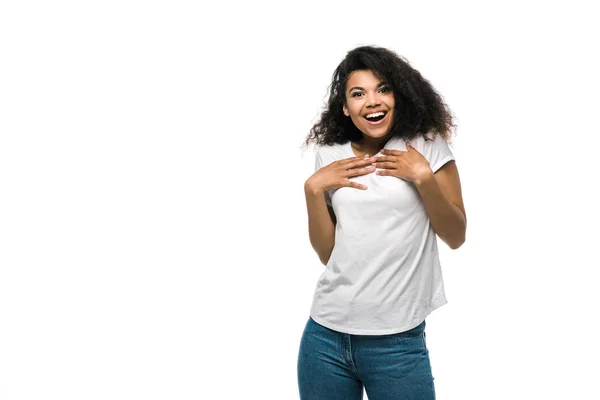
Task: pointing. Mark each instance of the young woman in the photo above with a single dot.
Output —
(385, 184)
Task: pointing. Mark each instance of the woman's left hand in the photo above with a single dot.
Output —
(408, 165)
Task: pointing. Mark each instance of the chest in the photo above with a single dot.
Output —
(385, 196)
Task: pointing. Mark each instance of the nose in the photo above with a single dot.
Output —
(373, 99)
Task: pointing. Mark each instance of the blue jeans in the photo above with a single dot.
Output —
(336, 366)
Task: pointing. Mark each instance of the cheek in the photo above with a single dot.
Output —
(357, 119)
(355, 112)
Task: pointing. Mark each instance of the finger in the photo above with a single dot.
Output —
(410, 148)
(386, 164)
(356, 158)
(387, 158)
(356, 185)
(362, 162)
(348, 162)
(348, 168)
(360, 171)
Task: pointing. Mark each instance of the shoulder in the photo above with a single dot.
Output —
(330, 153)
(431, 139)
(436, 150)
(420, 143)
(431, 144)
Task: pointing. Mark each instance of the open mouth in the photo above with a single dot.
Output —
(375, 117)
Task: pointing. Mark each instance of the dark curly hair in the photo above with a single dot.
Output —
(418, 110)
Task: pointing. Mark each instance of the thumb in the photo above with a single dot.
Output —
(408, 146)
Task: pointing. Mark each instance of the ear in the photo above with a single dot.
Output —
(346, 112)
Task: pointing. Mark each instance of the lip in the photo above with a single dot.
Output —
(381, 121)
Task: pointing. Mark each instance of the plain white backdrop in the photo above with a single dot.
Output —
(153, 230)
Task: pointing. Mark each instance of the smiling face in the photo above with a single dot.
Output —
(369, 103)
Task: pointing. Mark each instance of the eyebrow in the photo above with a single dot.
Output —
(360, 88)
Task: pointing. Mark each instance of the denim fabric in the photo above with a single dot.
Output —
(337, 366)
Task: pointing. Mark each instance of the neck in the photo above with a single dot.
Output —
(370, 145)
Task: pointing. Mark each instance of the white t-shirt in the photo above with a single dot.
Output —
(384, 273)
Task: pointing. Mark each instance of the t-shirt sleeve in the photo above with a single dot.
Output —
(437, 152)
(319, 163)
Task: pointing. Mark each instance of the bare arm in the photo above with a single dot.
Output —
(321, 223)
(442, 197)
(321, 219)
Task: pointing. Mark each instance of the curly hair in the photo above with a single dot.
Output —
(418, 110)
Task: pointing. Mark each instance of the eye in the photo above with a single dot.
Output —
(385, 89)
(356, 94)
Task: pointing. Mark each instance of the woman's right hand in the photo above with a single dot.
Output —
(336, 174)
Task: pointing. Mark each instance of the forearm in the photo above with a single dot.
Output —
(447, 220)
(321, 229)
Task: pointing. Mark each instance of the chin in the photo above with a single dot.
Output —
(377, 135)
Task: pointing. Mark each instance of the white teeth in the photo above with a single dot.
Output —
(377, 114)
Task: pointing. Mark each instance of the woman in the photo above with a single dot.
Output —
(385, 184)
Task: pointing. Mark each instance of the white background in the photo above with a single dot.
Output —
(153, 228)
